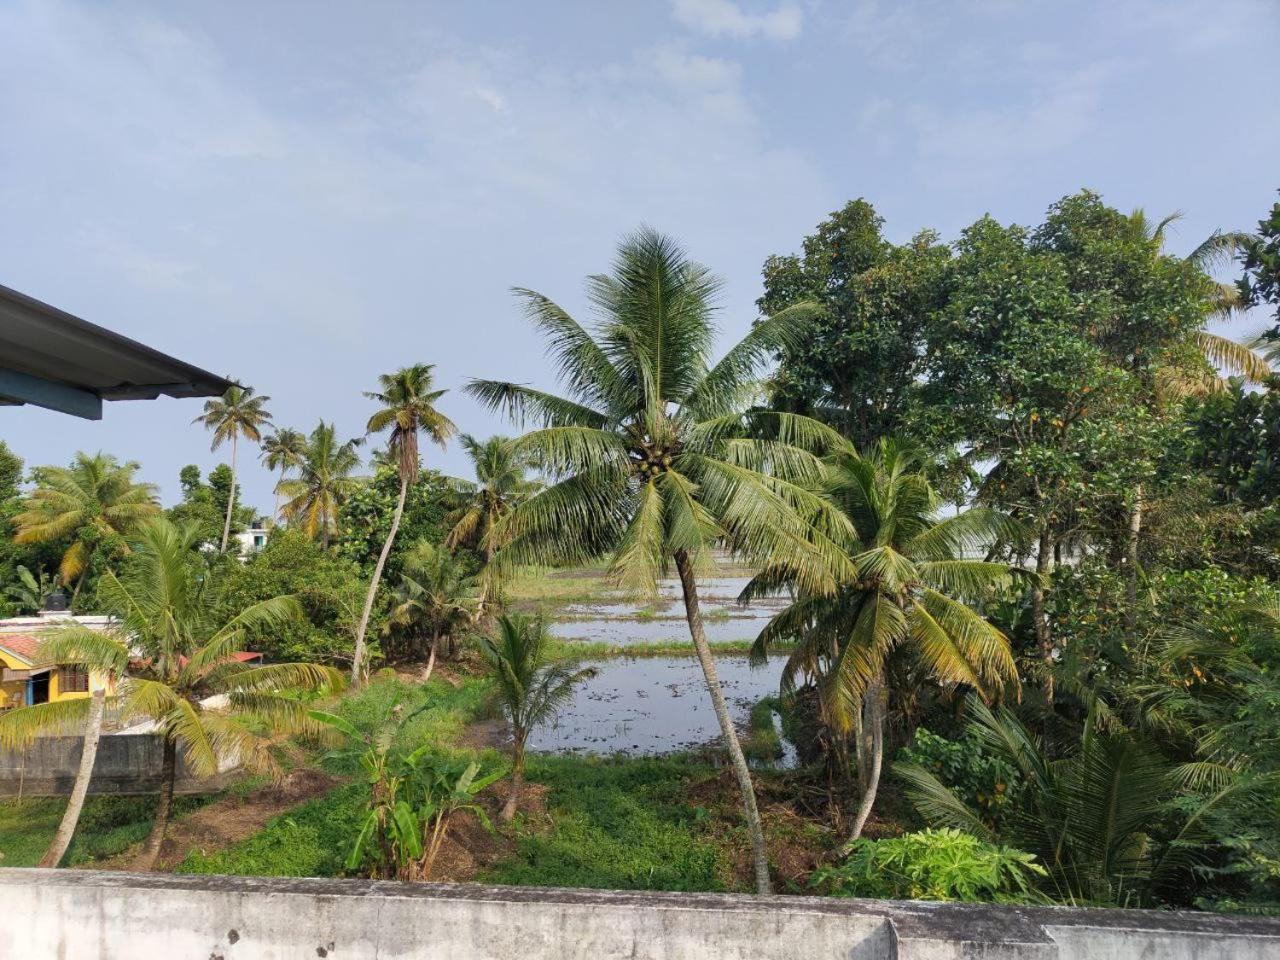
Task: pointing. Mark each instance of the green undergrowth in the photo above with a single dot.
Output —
(108, 826)
(623, 824)
(314, 838)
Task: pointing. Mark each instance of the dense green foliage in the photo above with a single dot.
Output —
(941, 864)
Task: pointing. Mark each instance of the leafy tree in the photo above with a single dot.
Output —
(435, 598)
(657, 454)
(237, 413)
(1261, 260)
(326, 587)
(315, 496)
(364, 519)
(859, 365)
(95, 502)
(284, 449)
(531, 685)
(172, 654)
(902, 587)
(205, 504)
(408, 406)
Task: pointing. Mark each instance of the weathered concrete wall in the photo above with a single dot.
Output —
(125, 764)
(89, 915)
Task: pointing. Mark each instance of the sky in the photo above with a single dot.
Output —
(303, 195)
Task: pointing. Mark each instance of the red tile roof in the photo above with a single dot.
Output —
(22, 645)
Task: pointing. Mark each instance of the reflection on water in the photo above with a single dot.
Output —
(618, 632)
(654, 705)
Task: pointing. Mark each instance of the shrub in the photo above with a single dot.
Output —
(987, 783)
(933, 865)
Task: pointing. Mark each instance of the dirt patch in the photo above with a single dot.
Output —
(230, 819)
(470, 847)
(485, 734)
(795, 841)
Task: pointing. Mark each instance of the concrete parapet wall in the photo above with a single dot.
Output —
(125, 764)
(91, 915)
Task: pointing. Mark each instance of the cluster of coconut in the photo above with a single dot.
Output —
(650, 463)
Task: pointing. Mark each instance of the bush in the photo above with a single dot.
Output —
(988, 784)
(933, 865)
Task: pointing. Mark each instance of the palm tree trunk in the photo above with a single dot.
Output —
(1131, 562)
(1044, 639)
(357, 664)
(517, 779)
(431, 659)
(84, 575)
(164, 809)
(739, 762)
(231, 497)
(874, 719)
(276, 516)
(88, 754)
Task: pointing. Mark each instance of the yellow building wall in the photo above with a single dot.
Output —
(18, 688)
(15, 688)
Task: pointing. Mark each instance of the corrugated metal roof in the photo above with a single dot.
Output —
(51, 345)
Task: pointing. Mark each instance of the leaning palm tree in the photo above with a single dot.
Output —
(657, 455)
(323, 484)
(95, 502)
(173, 653)
(530, 684)
(408, 405)
(435, 597)
(283, 450)
(237, 413)
(904, 594)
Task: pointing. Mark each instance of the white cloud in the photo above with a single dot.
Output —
(725, 18)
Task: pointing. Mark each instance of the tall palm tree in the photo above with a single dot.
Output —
(237, 413)
(903, 593)
(95, 501)
(657, 455)
(173, 653)
(283, 450)
(435, 596)
(323, 484)
(531, 685)
(408, 405)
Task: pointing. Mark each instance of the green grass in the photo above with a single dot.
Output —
(311, 840)
(108, 826)
(573, 650)
(763, 743)
(619, 824)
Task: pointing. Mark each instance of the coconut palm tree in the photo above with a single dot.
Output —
(531, 685)
(904, 594)
(323, 484)
(408, 405)
(283, 450)
(435, 596)
(172, 655)
(499, 485)
(95, 501)
(658, 455)
(237, 413)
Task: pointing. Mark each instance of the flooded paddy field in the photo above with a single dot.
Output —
(646, 706)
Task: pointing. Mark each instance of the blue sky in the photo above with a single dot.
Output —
(303, 195)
